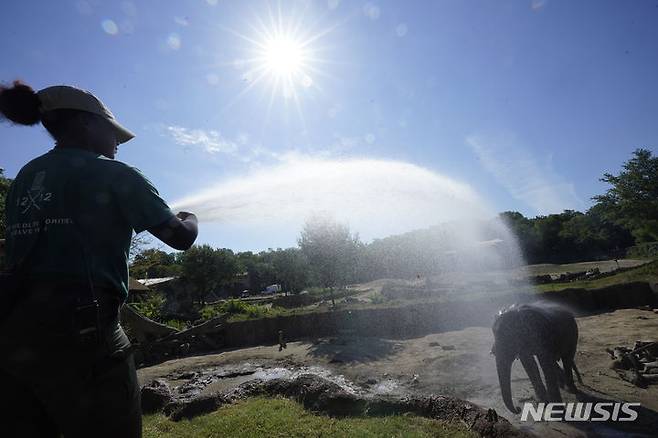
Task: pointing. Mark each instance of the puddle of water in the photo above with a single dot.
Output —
(225, 384)
(214, 380)
(272, 373)
(386, 387)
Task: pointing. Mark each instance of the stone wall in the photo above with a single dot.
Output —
(420, 319)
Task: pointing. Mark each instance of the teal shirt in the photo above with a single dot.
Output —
(107, 199)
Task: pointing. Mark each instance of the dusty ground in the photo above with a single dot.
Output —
(455, 363)
(602, 265)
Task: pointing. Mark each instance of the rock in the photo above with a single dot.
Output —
(448, 347)
(633, 377)
(198, 406)
(542, 279)
(371, 381)
(155, 396)
(321, 395)
(317, 394)
(434, 344)
(593, 272)
(617, 364)
(483, 422)
(651, 367)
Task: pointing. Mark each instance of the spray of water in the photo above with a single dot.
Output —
(377, 198)
(380, 198)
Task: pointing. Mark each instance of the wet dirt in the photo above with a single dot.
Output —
(454, 363)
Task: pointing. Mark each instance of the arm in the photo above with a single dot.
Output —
(179, 232)
(144, 209)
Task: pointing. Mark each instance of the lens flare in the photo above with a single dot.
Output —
(283, 56)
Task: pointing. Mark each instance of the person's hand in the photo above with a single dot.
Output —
(179, 232)
(185, 215)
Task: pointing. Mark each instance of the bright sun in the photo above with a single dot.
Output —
(283, 59)
(283, 56)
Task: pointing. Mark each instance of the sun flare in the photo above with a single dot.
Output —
(283, 56)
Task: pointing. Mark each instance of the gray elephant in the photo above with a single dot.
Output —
(544, 330)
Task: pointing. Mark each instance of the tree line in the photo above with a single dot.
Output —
(330, 255)
(625, 215)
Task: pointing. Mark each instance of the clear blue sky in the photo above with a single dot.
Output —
(527, 102)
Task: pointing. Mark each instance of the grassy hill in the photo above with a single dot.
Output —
(645, 273)
(278, 417)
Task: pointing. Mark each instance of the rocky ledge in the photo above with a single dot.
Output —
(324, 396)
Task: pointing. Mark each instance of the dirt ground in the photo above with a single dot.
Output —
(454, 363)
(602, 265)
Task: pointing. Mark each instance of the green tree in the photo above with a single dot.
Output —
(331, 251)
(154, 263)
(613, 237)
(206, 268)
(554, 247)
(291, 269)
(632, 201)
(258, 267)
(139, 243)
(261, 274)
(228, 265)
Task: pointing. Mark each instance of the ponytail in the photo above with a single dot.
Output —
(20, 104)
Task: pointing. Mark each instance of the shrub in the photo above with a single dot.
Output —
(151, 307)
(234, 308)
(647, 250)
(177, 324)
(377, 298)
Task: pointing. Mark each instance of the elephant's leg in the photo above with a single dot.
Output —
(567, 362)
(548, 366)
(575, 368)
(531, 369)
(571, 354)
(560, 375)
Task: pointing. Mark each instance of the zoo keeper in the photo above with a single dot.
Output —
(65, 362)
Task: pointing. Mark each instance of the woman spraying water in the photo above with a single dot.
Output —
(70, 216)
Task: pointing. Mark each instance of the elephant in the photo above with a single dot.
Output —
(545, 330)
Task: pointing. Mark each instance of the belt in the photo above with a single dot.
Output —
(63, 298)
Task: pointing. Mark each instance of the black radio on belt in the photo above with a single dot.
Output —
(86, 323)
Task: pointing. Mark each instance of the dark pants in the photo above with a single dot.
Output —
(52, 384)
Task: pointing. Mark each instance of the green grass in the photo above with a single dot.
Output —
(648, 273)
(277, 417)
(238, 310)
(177, 324)
(151, 307)
(377, 298)
(603, 265)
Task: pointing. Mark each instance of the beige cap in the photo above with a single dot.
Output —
(65, 97)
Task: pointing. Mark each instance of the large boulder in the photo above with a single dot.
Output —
(324, 396)
(155, 396)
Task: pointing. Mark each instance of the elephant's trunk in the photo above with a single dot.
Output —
(504, 367)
